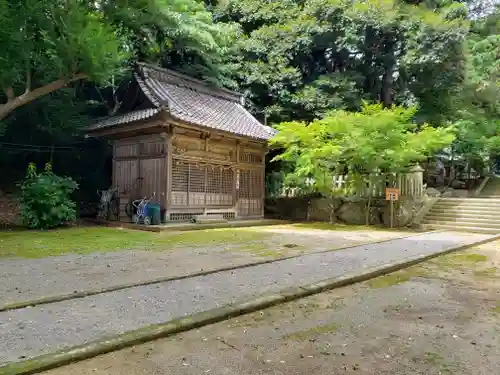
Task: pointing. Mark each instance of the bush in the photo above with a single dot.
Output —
(46, 199)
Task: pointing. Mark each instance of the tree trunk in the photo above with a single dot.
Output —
(389, 63)
(29, 96)
(370, 70)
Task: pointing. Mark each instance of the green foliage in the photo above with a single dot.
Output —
(55, 39)
(298, 60)
(47, 45)
(357, 144)
(46, 199)
(97, 43)
(177, 33)
(477, 115)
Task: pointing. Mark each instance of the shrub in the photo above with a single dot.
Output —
(46, 199)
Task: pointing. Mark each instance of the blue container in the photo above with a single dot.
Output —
(153, 211)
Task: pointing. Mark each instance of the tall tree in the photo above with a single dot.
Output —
(179, 34)
(47, 45)
(300, 59)
(377, 139)
(477, 104)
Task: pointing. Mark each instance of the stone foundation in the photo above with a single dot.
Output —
(344, 210)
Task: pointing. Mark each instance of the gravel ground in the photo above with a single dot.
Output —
(33, 331)
(27, 279)
(438, 318)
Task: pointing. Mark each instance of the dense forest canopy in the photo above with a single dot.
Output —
(65, 63)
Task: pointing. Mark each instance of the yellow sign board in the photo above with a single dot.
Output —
(391, 194)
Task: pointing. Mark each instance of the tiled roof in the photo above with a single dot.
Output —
(126, 118)
(192, 101)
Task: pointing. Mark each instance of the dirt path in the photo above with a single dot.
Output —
(442, 317)
(27, 279)
(44, 329)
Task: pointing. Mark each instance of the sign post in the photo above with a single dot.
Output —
(391, 195)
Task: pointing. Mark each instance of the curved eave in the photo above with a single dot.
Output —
(207, 129)
(129, 122)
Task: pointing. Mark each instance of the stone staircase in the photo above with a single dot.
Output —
(478, 215)
(492, 188)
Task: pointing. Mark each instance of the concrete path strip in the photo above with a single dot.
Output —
(92, 292)
(316, 273)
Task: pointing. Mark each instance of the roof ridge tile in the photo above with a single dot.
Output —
(171, 76)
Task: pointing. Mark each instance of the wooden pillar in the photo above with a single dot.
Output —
(114, 179)
(138, 159)
(113, 171)
(188, 183)
(236, 178)
(206, 136)
(168, 174)
(263, 173)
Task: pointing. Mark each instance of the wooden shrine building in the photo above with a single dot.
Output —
(196, 148)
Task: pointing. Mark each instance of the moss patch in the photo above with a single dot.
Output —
(38, 244)
(251, 320)
(336, 226)
(433, 358)
(496, 310)
(312, 332)
(258, 249)
(486, 272)
(469, 258)
(396, 278)
(458, 261)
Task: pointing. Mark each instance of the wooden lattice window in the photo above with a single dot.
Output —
(227, 186)
(198, 185)
(180, 176)
(251, 158)
(214, 179)
(180, 181)
(250, 192)
(255, 182)
(214, 185)
(244, 188)
(227, 181)
(219, 186)
(196, 179)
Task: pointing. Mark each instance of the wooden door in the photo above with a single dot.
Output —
(125, 176)
(153, 179)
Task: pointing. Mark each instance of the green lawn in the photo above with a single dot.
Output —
(39, 244)
(84, 240)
